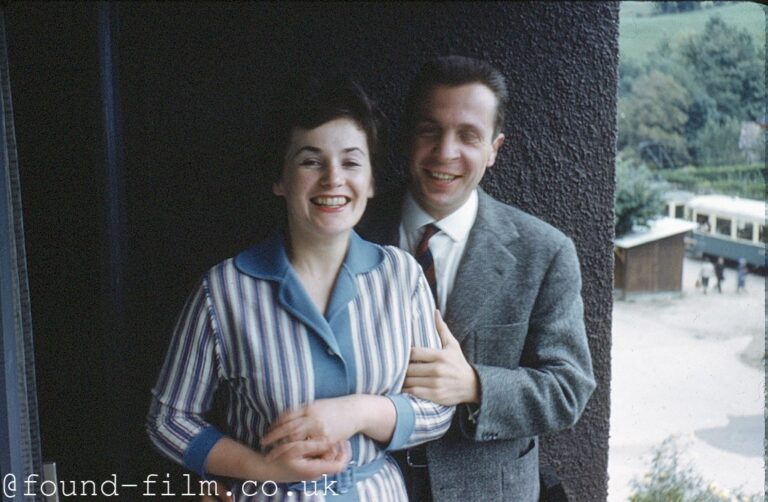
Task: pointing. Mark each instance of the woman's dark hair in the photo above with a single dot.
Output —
(311, 103)
(455, 71)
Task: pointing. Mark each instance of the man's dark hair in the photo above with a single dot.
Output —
(454, 71)
(308, 104)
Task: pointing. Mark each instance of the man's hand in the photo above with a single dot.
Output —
(442, 375)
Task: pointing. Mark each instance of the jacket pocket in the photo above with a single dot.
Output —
(500, 345)
(520, 477)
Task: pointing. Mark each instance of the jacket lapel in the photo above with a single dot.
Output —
(486, 268)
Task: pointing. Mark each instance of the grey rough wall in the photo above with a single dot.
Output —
(195, 81)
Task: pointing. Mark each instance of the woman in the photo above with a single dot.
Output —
(309, 332)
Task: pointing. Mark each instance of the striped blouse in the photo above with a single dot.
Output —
(251, 329)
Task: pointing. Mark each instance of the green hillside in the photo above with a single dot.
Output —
(639, 32)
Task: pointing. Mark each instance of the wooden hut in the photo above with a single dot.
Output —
(651, 261)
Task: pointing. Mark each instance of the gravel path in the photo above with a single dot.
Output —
(692, 367)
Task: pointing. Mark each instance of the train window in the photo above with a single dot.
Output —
(679, 210)
(744, 231)
(762, 234)
(703, 221)
(723, 226)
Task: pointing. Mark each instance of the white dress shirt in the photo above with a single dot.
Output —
(446, 246)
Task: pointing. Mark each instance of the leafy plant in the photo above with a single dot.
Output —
(673, 479)
(736, 180)
(638, 197)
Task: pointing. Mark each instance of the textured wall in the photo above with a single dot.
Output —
(195, 82)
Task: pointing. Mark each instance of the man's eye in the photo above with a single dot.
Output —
(426, 131)
(469, 137)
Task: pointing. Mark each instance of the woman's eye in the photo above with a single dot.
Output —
(426, 131)
(310, 163)
(351, 164)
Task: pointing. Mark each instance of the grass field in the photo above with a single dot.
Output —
(639, 32)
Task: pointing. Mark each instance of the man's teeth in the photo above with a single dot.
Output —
(330, 201)
(442, 176)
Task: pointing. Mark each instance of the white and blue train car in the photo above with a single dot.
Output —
(730, 227)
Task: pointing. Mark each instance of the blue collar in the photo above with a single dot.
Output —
(268, 260)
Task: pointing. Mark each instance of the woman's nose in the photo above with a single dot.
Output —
(332, 176)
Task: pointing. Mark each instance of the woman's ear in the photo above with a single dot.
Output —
(277, 188)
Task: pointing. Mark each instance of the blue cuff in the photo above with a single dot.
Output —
(199, 448)
(405, 422)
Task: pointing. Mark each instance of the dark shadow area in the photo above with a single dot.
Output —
(738, 436)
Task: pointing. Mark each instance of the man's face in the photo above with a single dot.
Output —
(452, 145)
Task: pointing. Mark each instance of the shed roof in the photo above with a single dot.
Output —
(660, 229)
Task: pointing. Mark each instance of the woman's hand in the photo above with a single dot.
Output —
(334, 420)
(307, 460)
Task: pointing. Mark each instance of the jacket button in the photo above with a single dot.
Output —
(330, 352)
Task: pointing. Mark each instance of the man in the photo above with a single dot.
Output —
(515, 356)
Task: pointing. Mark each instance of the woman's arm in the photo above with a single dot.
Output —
(430, 420)
(183, 395)
(307, 460)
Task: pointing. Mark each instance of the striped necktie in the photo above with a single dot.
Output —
(424, 257)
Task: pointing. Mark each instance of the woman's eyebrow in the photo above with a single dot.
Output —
(311, 149)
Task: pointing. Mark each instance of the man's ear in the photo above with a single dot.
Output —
(495, 145)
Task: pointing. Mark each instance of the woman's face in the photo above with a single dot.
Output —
(327, 178)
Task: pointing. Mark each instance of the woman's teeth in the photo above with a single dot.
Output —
(329, 201)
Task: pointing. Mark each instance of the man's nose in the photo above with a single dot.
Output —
(447, 147)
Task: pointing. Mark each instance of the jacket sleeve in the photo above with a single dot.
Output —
(185, 387)
(549, 389)
(420, 420)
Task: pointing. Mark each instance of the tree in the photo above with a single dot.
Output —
(721, 74)
(675, 7)
(656, 111)
(726, 62)
(638, 197)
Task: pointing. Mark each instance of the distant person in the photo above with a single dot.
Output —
(720, 273)
(741, 275)
(707, 271)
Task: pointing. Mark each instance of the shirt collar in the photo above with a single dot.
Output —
(456, 225)
(269, 258)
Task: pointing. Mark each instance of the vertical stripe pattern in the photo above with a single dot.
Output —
(234, 334)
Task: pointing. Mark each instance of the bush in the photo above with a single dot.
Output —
(672, 479)
(736, 180)
(638, 197)
(717, 143)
